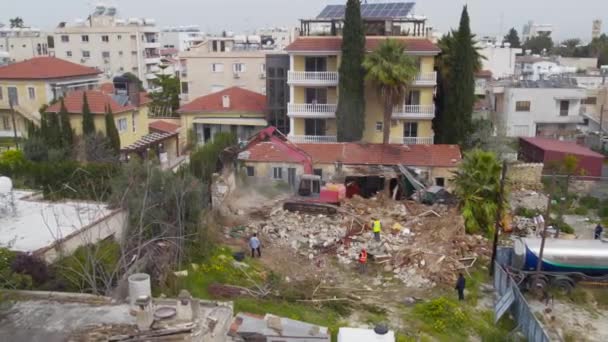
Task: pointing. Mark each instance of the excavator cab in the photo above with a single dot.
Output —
(310, 186)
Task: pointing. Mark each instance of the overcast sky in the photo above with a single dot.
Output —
(570, 18)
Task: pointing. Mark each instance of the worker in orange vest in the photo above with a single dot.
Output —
(363, 260)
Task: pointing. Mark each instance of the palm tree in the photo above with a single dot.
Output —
(391, 70)
(477, 185)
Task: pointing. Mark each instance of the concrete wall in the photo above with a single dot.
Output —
(500, 61)
(112, 225)
(22, 48)
(527, 175)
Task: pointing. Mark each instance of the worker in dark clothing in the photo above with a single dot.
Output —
(460, 285)
(598, 232)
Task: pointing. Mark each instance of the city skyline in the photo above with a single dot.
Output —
(487, 17)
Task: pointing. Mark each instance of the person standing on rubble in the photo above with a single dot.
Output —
(598, 231)
(460, 285)
(377, 228)
(363, 261)
(254, 244)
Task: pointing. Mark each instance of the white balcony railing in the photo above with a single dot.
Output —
(313, 77)
(414, 112)
(318, 139)
(413, 140)
(426, 79)
(312, 110)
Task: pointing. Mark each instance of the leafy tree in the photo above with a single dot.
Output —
(599, 48)
(133, 78)
(391, 70)
(513, 38)
(350, 114)
(16, 22)
(88, 122)
(166, 101)
(205, 160)
(67, 134)
(111, 131)
(457, 65)
(539, 44)
(477, 185)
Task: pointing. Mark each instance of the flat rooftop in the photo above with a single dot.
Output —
(36, 223)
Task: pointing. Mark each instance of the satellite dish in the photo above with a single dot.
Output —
(6, 185)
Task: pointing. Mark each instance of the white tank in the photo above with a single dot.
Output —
(6, 185)
(254, 39)
(150, 22)
(240, 39)
(229, 34)
(139, 285)
(133, 21)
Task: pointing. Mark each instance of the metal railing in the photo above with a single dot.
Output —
(527, 322)
(316, 110)
(426, 78)
(313, 77)
(413, 140)
(414, 111)
(318, 139)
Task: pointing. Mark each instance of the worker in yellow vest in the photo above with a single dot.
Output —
(376, 228)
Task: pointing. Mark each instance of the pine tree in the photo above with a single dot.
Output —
(459, 93)
(513, 38)
(350, 115)
(111, 131)
(88, 123)
(67, 135)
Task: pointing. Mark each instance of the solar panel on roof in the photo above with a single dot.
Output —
(370, 11)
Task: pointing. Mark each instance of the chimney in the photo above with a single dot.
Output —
(124, 86)
(226, 101)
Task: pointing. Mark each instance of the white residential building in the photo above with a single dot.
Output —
(24, 43)
(537, 108)
(223, 62)
(532, 30)
(500, 60)
(534, 68)
(181, 38)
(113, 45)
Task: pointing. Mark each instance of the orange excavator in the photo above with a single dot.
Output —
(312, 195)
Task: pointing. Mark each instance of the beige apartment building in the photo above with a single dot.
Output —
(111, 44)
(223, 62)
(24, 43)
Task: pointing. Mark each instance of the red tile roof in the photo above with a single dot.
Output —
(107, 88)
(567, 147)
(241, 100)
(163, 126)
(364, 154)
(335, 44)
(45, 68)
(98, 101)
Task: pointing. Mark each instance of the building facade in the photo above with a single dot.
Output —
(277, 90)
(30, 84)
(313, 76)
(550, 108)
(25, 43)
(113, 45)
(223, 62)
(181, 38)
(500, 60)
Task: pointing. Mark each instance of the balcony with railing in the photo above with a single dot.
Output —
(312, 110)
(426, 79)
(313, 78)
(313, 139)
(413, 140)
(414, 112)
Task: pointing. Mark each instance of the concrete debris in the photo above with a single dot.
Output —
(523, 226)
(420, 245)
(531, 200)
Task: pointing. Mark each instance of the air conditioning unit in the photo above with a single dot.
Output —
(237, 75)
(263, 75)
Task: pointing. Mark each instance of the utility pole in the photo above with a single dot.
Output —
(499, 215)
(539, 263)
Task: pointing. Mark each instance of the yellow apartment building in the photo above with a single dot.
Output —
(30, 84)
(313, 77)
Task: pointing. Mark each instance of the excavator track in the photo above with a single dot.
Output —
(310, 207)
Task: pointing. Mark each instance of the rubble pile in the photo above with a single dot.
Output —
(523, 226)
(531, 200)
(421, 245)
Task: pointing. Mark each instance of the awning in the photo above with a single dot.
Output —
(232, 121)
(148, 140)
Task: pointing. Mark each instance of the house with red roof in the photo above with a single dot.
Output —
(30, 84)
(236, 110)
(313, 77)
(374, 166)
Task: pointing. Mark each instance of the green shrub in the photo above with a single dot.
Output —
(443, 315)
(525, 212)
(603, 212)
(582, 211)
(9, 279)
(590, 202)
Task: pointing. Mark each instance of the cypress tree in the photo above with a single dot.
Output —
(460, 89)
(67, 135)
(111, 131)
(350, 115)
(88, 123)
(53, 134)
